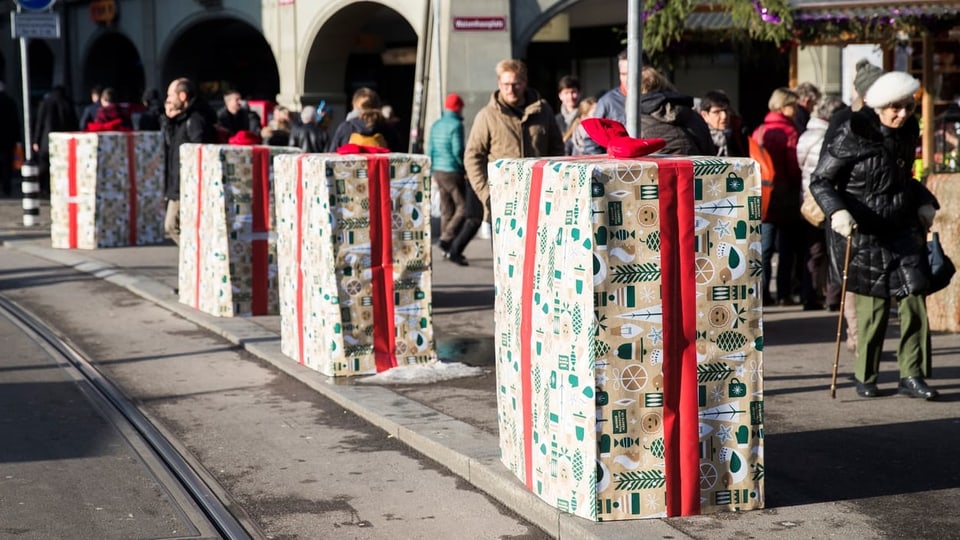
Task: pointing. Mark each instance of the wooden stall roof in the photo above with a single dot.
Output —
(806, 11)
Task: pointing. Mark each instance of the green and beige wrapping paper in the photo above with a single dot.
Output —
(354, 247)
(106, 189)
(628, 319)
(228, 256)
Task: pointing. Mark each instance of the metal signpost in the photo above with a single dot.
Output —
(44, 25)
(634, 65)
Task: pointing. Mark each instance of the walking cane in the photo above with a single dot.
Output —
(843, 297)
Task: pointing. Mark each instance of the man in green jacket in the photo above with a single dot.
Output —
(515, 123)
(445, 148)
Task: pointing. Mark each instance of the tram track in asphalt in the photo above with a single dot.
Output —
(175, 470)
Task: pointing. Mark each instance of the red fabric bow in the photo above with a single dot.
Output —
(611, 135)
(245, 137)
(361, 149)
(111, 125)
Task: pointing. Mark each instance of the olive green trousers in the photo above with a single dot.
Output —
(913, 350)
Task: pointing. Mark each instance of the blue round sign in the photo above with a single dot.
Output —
(35, 5)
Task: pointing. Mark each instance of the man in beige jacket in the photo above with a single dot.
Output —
(515, 123)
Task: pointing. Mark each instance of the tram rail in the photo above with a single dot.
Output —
(212, 501)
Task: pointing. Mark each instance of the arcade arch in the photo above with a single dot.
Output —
(112, 60)
(363, 44)
(223, 53)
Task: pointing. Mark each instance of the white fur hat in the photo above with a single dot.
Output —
(890, 88)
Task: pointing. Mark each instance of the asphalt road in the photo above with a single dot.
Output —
(297, 463)
(834, 468)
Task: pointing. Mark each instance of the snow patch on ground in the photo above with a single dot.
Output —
(423, 373)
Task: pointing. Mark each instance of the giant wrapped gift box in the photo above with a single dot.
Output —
(354, 247)
(228, 255)
(629, 337)
(106, 189)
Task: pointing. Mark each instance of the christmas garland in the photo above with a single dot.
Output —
(765, 20)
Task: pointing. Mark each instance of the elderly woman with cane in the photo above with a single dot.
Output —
(864, 184)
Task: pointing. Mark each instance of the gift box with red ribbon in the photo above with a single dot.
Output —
(228, 255)
(354, 250)
(629, 335)
(106, 189)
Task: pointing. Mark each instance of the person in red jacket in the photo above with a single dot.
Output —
(109, 116)
(782, 228)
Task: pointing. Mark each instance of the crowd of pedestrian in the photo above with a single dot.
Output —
(855, 162)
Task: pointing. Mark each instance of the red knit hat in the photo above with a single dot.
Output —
(453, 103)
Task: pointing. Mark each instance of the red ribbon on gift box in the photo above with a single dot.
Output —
(299, 267)
(72, 225)
(260, 240)
(381, 261)
(681, 434)
(197, 230)
(132, 188)
(260, 243)
(677, 251)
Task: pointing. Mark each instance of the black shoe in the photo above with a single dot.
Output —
(456, 258)
(444, 246)
(916, 387)
(867, 390)
(833, 307)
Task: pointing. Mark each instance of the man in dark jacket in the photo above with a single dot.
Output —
(90, 111)
(664, 113)
(56, 113)
(308, 135)
(864, 183)
(235, 116)
(9, 137)
(188, 120)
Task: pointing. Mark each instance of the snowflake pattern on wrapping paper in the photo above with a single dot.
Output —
(724, 434)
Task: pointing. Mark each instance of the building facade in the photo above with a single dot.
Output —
(304, 52)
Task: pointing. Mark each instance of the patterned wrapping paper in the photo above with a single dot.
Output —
(101, 183)
(228, 256)
(629, 358)
(342, 253)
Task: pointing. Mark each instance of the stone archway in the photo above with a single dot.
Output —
(112, 60)
(364, 44)
(223, 53)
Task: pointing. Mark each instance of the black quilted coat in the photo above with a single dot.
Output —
(867, 170)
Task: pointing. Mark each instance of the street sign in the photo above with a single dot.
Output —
(482, 24)
(35, 25)
(35, 5)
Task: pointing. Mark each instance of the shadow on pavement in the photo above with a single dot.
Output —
(861, 462)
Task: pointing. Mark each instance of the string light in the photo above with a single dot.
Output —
(765, 14)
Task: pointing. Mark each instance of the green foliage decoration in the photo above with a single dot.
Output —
(664, 21)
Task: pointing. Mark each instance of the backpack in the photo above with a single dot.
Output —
(373, 139)
(767, 171)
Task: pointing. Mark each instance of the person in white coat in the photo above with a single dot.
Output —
(808, 154)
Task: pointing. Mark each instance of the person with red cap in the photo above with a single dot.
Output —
(445, 148)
